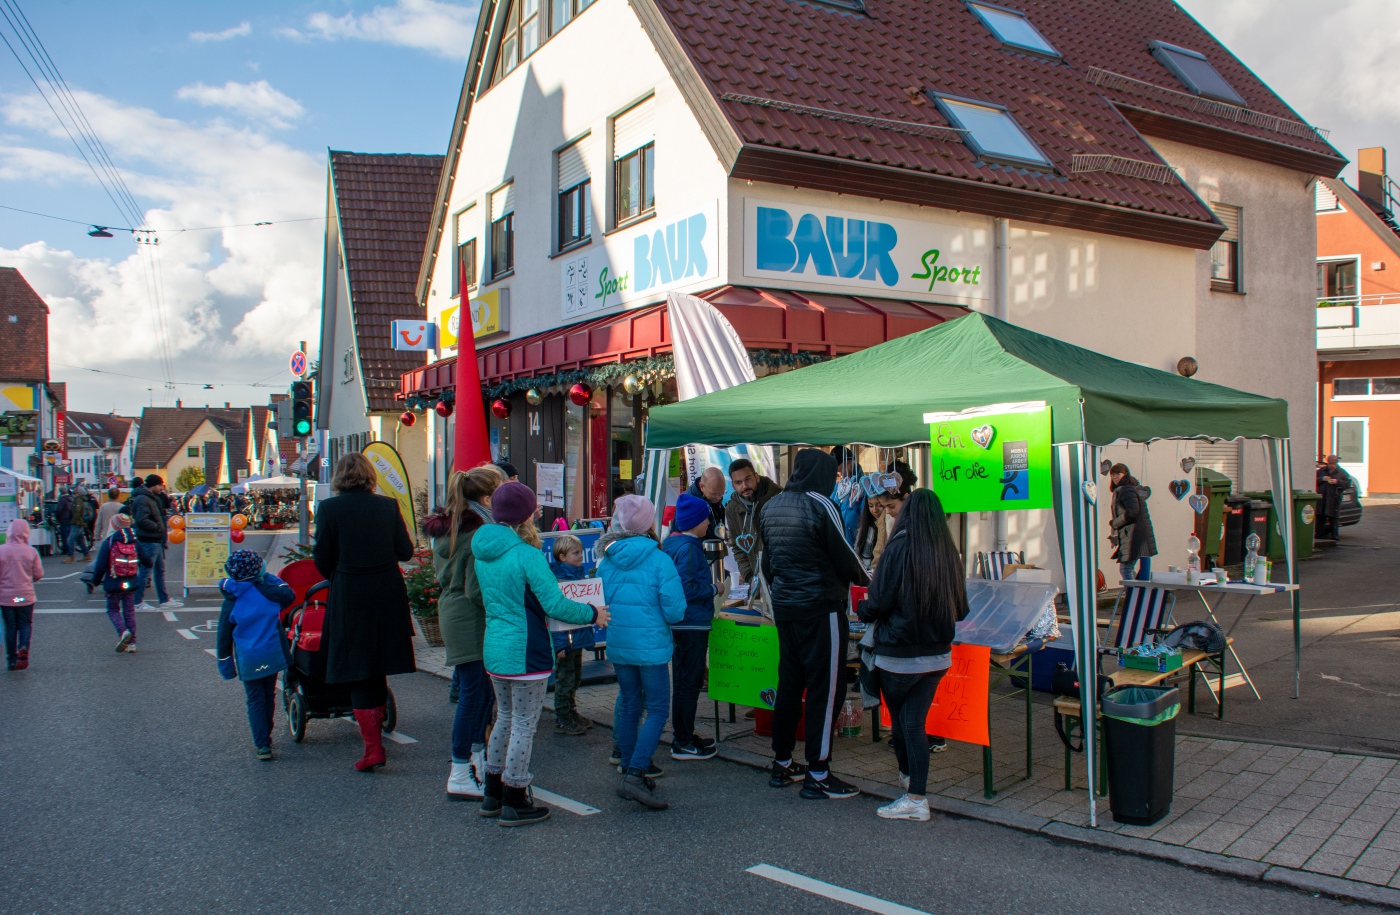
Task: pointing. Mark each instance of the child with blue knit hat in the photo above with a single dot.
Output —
(249, 643)
(692, 634)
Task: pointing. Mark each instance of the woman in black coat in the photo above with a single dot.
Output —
(360, 541)
(1134, 543)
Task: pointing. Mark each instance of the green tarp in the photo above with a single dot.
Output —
(879, 396)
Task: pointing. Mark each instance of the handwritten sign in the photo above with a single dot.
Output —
(584, 591)
(549, 484)
(991, 461)
(743, 663)
(959, 710)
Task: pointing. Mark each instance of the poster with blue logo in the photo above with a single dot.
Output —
(950, 259)
(992, 458)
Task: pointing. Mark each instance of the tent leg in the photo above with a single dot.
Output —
(1297, 640)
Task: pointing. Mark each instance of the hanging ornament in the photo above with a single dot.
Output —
(407, 418)
(631, 384)
(443, 408)
(580, 394)
(1091, 492)
(500, 408)
(1188, 464)
(533, 397)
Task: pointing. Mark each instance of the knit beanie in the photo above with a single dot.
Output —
(634, 514)
(691, 511)
(244, 565)
(513, 503)
(154, 480)
(120, 521)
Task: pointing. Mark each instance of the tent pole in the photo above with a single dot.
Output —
(1001, 310)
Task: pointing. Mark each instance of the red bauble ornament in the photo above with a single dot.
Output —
(500, 408)
(236, 535)
(443, 408)
(407, 418)
(580, 394)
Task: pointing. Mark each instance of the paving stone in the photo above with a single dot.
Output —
(1261, 800)
(1344, 845)
(1381, 859)
(1267, 764)
(1241, 786)
(1273, 833)
(1370, 875)
(1335, 865)
(1330, 813)
(1205, 785)
(1284, 858)
(1215, 804)
(1300, 844)
(1215, 838)
(1186, 828)
(1253, 849)
(1390, 841)
(1311, 788)
(1357, 829)
(1246, 816)
(1321, 829)
(1299, 802)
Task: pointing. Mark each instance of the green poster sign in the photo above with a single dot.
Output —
(743, 663)
(992, 461)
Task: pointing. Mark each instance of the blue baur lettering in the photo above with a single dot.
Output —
(847, 237)
(880, 239)
(772, 249)
(695, 236)
(641, 261)
(676, 248)
(811, 243)
(660, 263)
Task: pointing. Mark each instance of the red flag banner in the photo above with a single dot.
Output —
(471, 443)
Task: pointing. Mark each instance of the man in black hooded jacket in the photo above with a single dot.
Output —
(810, 568)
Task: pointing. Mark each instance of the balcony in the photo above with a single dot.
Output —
(1358, 322)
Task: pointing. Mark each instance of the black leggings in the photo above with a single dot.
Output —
(367, 694)
(908, 697)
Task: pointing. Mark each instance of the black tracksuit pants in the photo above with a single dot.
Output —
(811, 658)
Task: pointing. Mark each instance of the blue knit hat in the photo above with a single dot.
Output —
(690, 511)
(244, 565)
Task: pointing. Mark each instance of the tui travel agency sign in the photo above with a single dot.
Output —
(878, 255)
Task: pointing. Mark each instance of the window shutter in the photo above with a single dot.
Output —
(464, 224)
(1326, 200)
(503, 201)
(1230, 215)
(1222, 457)
(634, 128)
(573, 167)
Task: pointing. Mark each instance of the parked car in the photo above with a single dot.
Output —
(1350, 511)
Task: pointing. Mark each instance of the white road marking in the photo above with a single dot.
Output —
(396, 737)
(187, 634)
(212, 653)
(53, 578)
(169, 617)
(81, 610)
(831, 891)
(564, 803)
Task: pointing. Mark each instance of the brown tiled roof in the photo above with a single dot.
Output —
(384, 204)
(236, 444)
(59, 389)
(103, 426)
(24, 330)
(259, 430)
(213, 461)
(164, 430)
(832, 70)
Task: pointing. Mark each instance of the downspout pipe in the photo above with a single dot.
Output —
(1001, 309)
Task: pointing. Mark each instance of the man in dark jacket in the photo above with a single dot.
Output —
(148, 521)
(810, 567)
(741, 514)
(63, 514)
(710, 487)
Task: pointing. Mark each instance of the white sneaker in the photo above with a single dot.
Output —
(904, 781)
(171, 604)
(905, 808)
(131, 649)
(478, 765)
(462, 784)
(144, 606)
(124, 641)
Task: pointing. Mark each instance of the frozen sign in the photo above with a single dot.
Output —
(836, 248)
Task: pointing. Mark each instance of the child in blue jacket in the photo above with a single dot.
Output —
(692, 634)
(249, 643)
(569, 641)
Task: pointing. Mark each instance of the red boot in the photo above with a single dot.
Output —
(371, 721)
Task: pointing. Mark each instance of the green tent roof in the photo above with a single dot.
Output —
(879, 396)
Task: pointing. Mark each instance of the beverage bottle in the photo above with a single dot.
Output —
(1193, 554)
(849, 720)
(1251, 557)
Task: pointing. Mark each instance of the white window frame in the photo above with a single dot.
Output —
(1342, 259)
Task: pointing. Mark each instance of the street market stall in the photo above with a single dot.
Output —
(973, 373)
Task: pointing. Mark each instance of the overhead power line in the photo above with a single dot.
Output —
(173, 231)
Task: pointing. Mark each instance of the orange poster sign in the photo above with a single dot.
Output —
(959, 710)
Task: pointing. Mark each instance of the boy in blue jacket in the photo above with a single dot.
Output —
(248, 632)
(692, 634)
(569, 642)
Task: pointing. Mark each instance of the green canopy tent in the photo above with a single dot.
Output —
(879, 397)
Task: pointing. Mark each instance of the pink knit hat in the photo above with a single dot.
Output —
(634, 514)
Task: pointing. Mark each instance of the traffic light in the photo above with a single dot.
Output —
(301, 409)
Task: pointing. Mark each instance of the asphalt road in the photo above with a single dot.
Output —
(129, 785)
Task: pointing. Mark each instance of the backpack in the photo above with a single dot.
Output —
(1203, 635)
(124, 562)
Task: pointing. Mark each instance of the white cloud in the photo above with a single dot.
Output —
(253, 100)
(445, 29)
(241, 30)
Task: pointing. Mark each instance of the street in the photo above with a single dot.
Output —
(131, 786)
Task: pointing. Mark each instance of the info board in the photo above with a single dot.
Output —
(743, 663)
(959, 710)
(206, 548)
(991, 459)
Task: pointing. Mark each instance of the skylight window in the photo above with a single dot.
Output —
(1195, 73)
(992, 132)
(1013, 28)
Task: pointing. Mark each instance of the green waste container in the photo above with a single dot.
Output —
(1139, 732)
(1304, 524)
(1215, 487)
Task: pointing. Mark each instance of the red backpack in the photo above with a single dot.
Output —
(124, 561)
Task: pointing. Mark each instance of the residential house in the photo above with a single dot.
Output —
(101, 447)
(29, 404)
(213, 439)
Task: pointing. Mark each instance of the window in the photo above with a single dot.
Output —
(464, 251)
(502, 231)
(1195, 72)
(519, 39)
(1326, 201)
(573, 183)
(561, 11)
(992, 132)
(1013, 28)
(1336, 279)
(192, 451)
(634, 163)
(1383, 388)
(1225, 254)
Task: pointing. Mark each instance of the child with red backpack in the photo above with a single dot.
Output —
(118, 570)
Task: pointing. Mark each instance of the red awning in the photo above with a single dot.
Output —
(779, 319)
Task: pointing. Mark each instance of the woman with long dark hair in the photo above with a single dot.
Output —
(916, 597)
(1134, 543)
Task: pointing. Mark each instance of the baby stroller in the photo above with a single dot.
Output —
(305, 692)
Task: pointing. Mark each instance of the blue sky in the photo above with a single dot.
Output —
(221, 113)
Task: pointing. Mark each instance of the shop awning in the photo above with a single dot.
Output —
(22, 477)
(777, 319)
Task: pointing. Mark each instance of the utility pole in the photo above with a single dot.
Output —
(304, 525)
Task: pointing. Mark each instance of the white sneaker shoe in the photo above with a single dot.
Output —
(462, 784)
(904, 781)
(478, 765)
(124, 641)
(144, 606)
(905, 808)
(171, 604)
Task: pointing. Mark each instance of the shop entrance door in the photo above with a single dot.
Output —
(1351, 442)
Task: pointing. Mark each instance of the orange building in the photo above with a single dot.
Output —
(1358, 324)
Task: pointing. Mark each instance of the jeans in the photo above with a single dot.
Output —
(513, 739)
(1144, 570)
(65, 533)
(908, 698)
(687, 673)
(75, 541)
(475, 699)
(121, 610)
(18, 623)
(568, 672)
(261, 695)
(152, 564)
(637, 684)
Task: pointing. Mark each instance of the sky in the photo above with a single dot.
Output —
(220, 114)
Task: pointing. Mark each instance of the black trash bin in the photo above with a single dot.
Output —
(1139, 731)
(1236, 528)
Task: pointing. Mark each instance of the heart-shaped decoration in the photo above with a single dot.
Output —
(1104, 467)
(1179, 488)
(768, 697)
(1198, 503)
(1091, 492)
(891, 481)
(744, 542)
(983, 435)
(1188, 464)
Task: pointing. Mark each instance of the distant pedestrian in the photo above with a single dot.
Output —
(112, 506)
(249, 644)
(1134, 543)
(63, 514)
(690, 636)
(119, 564)
(149, 513)
(569, 642)
(20, 567)
(508, 471)
(81, 515)
(1332, 483)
